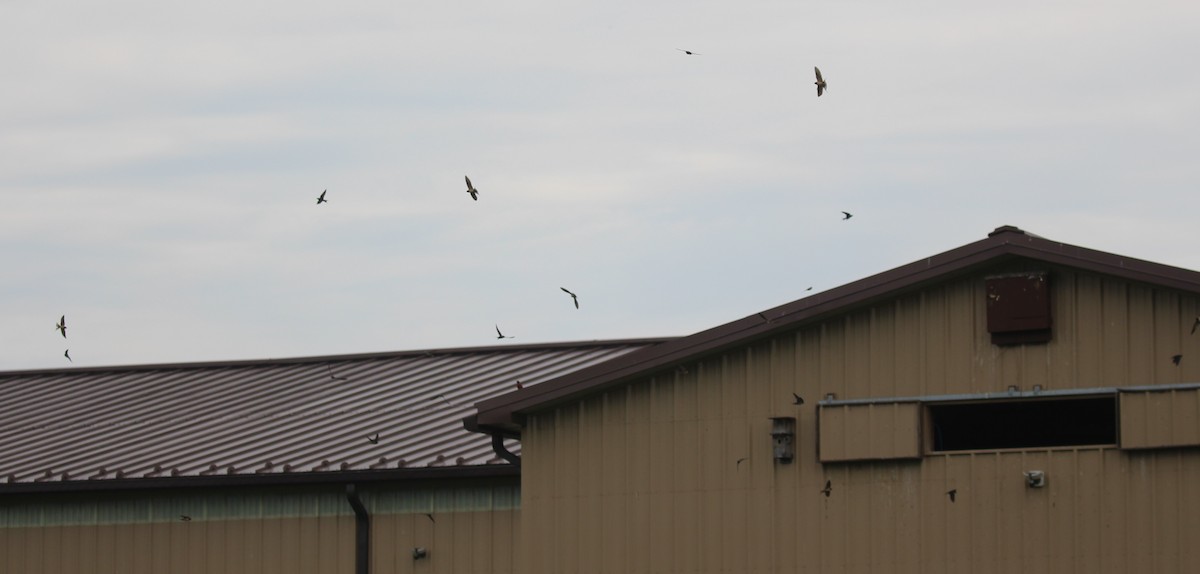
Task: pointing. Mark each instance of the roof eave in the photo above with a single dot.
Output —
(506, 411)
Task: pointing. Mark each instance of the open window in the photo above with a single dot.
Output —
(1022, 423)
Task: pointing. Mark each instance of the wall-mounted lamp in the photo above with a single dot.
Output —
(1035, 478)
(419, 553)
(783, 433)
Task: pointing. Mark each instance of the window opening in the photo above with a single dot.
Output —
(1027, 423)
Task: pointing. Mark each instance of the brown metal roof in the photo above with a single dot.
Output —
(287, 418)
(1007, 242)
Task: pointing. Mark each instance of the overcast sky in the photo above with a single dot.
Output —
(160, 162)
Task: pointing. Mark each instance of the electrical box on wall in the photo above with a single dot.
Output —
(1018, 308)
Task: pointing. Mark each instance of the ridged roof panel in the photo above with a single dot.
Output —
(272, 416)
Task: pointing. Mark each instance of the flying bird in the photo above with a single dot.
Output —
(688, 52)
(797, 399)
(1175, 359)
(373, 439)
(821, 85)
(951, 493)
(331, 375)
(500, 335)
(67, 354)
(62, 326)
(1195, 324)
(847, 215)
(321, 198)
(430, 517)
(809, 289)
(573, 297)
(738, 464)
(828, 488)
(471, 190)
(185, 518)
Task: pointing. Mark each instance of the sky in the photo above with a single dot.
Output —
(160, 162)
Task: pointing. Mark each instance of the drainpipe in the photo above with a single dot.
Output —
(502, 452)
(362, 532)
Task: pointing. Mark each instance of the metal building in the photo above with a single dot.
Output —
(1012, 405)
(336, 464)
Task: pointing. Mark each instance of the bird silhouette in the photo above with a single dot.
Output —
(821, 85)
(573, 297)
(430, 517)
(797, 399)
(185, 518)
(62, 326)
(373, 439)
(738, 464)
(321, 198)
(809, 289)
(67, 354)
(828, 488)
(847, 215)
(688, 52)
(1195, 324)
(519, 385)
(471, 189)
(1176, 358)
(500, 335)
(951, 493)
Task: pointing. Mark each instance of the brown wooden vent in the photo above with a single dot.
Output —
(1018, 308)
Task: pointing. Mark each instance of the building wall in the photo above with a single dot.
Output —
(465, 528)
(674, 473)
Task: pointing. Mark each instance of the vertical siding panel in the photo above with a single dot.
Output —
(592, 426)
(1184, 417)
(1063, 519)
(979, 496)
(1189, 510)
(957, 518)
(633, 551)
(855, 493)
(1167, 339)
(833, 528)
(1166, 511)
(856, 332)
(933, 519)
(882, 351)
(1139, 365)
(961, 373)
(1115, 311)
(1113, 481)
(833, 359)
(908, 343)
(1089, 330)
(936, 328)
(1089, 511)
(1062, 350)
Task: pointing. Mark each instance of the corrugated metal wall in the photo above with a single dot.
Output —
(674, 473)
(464, 528)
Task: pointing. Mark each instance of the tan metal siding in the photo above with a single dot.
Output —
(869, 432)
(647, 478)
(1156, 419)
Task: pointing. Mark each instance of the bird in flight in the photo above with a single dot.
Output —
(67, 354)
(573, 297)
(1175, 359)
(688, 52)
(500, 335)
(821, 85)
(321, 198)
(185, 518)
(951, 493)
(797, 399)
(62, 326)
(1195, 324)
(373, 439)
(828, 488)
(847, 215)
(331, 375)
(471, 189)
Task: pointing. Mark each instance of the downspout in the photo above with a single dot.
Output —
(362, 532)
(502, 451)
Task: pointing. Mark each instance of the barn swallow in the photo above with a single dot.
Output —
(67, 354)
(1175, 359)
(951, 493)
(471, 190)
(847, 215)
(738, 464)
(797, 399)
(185, 518)
(373, 439)
(331, 375)
(688, 52)
(500, 335)
(321, 198)
(828, 488)
(573, 297)
(1195, 324)
(430, 517)
(519, 385)
(62, 326)
(821, 85)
